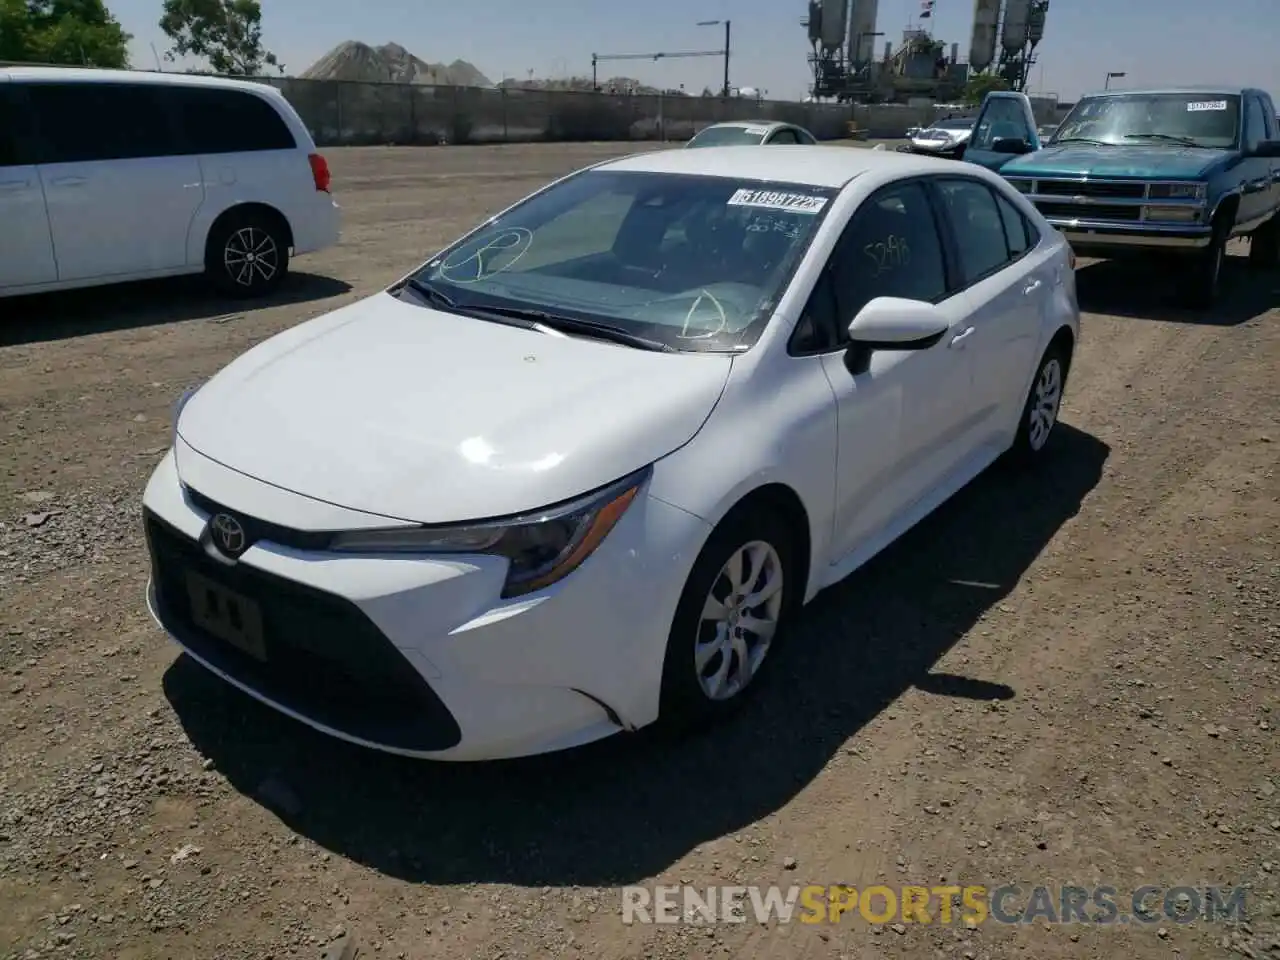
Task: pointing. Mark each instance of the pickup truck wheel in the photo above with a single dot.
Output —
(1205, 278)
(1264, 245)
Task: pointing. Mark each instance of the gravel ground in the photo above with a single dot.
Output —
(1065, 680)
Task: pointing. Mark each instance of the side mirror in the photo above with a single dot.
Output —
(1011, 145)
(892, 323)
(1267, 149)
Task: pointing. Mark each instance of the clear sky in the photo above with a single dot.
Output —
(1155, 42)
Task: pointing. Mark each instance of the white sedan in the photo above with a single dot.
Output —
(752, 133)
(576, 473)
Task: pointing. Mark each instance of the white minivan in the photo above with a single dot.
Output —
(109, 175)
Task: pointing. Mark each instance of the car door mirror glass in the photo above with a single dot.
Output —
(1267, 149)
(897, 323)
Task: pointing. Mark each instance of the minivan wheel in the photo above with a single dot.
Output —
(247, 256)
(1043, 403)
(739, 597)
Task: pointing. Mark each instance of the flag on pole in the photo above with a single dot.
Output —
(926, 9)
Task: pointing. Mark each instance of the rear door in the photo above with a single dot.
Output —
(26, 247)
(121, 196)
(1004, 116)
(1007, 284)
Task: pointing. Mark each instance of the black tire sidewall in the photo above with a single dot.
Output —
(1206, 277)
(215, 266)
(684, 707)
(1022, 450)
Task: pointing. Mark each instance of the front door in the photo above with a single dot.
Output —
(1004, 116)
(121, 195)
(26, 248)
(901, 420)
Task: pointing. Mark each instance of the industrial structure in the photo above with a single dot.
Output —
(844, 38)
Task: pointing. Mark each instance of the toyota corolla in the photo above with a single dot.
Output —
(577, 473)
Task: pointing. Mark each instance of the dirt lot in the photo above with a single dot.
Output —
(1066, 680)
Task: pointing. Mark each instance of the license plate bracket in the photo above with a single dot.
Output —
(229, 616)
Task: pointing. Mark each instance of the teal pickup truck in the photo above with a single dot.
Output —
(1152, 171)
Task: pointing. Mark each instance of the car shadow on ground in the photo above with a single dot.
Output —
(45, 317)
(627, 808)
(1149, 289)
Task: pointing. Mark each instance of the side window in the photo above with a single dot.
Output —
(979, 227)
(1018, 233)
(230, 121)
(784, 136)
(891, 248)
(1255, 124)
(1269, 115)
(1003, 119)
(83, 122)
(15, 129)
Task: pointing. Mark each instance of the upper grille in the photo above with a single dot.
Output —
(1085, 211)
(1107, 189)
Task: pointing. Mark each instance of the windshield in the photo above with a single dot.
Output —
(1191, 119)
(729, 136)
(696, 263)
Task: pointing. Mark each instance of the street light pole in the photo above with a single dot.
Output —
(1114, 75)
(728, 44)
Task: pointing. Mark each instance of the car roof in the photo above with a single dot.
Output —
(739, 124)
(1205, 89)
(92, 75)
(814, 166)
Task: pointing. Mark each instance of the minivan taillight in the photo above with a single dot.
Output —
(319, 171)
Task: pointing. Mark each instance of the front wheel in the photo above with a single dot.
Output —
(1204, 280)
(247, 256)
(739, 596)
(1264, 244)
(1042, 406)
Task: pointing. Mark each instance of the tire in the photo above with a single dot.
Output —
(1204, 280)
(247, 255)
(1040, 410)
(689, 701)
(1264, 245)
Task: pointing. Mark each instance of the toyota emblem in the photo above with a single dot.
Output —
(228, 534)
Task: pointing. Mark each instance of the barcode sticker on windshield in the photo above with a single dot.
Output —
(778, 200)
(1199, 105)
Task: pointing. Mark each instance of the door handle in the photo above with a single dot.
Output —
(1031, 287)
(70, 181)
(959, 337)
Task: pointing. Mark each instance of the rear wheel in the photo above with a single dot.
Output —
(739, 596)
(247, 255)
(1040, 410)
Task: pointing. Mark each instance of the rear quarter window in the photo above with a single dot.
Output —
(229, 121)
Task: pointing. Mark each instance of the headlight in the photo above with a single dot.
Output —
(187, 394)
(1172, 214)
(542, 547)
(1177, 191)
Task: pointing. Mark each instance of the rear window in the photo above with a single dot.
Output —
(229, 121)
(729, 136)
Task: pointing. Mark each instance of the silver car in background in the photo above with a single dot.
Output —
(943, 137)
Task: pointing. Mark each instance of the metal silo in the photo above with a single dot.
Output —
(1013, 36)
(815, 21)
(832, 22)
(862, 27)
(982, 45)
(1035, 22)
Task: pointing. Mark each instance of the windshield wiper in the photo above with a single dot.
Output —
(431, 293)
(587, 328)
(1186, 141)
(1101, 143)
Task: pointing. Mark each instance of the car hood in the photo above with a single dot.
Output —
(1080, 159)
(414, 414)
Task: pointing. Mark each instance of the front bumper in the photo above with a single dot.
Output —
(1108, 236)
(416, 655)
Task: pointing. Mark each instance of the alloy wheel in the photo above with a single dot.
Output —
(739, 619)
(251, 257)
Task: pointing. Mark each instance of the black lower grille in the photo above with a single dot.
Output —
(1087, 211)
(324, 658)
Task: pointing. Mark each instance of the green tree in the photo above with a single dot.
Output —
(227, 33)
(64, 32)
(979, 86)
